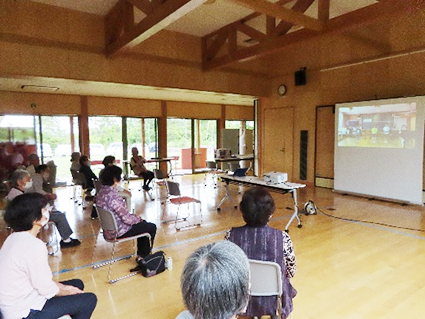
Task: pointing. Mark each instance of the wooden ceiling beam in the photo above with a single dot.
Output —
(339, 24)
(280, 12)
(251, 32)
(162, 16)
(323, 10)
(300, 6)
(143, 5)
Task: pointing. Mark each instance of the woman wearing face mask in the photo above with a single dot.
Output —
(21, 182)
(27, 289)
(128, 225)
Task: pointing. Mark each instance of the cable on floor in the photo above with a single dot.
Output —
(368, 222)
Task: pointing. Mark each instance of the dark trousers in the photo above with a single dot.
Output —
(78, 306)
(147, 177)
(143, 246)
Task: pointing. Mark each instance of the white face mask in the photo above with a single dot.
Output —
(28, 185)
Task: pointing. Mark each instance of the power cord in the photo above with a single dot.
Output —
(367, 222)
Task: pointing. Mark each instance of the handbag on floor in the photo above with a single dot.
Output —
(152, 264)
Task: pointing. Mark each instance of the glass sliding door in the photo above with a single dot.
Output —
(105, 135)
(205, 142)
(143, 134)
(55, 143)
(179, 144)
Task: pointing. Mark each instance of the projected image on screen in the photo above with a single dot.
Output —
(387, 126)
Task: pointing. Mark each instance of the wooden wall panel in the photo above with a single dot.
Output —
(239, 112)
(193, 110)
(123, 107)
(46, 104)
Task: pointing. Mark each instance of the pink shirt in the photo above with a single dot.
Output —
(25, 276)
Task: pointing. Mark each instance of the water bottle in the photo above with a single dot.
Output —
(170, 263)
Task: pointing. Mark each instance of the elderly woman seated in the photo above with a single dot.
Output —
(27, 289)
(22, 183)
(261, 242)
(128, 225)
(215, 282)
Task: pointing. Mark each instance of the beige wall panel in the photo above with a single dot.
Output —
(31, 19)
(193, 110)
(123, 107)
(87, 29)
(173, 45)
(236, 112)
(10, 58)
(46, 104)
(325, 142)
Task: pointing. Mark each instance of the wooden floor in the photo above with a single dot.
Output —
(345, 269)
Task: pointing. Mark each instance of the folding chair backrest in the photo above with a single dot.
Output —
(97, 185)
(158, 174)
(78, 178)
(266, 278)
(234, 166)
(107, 219)
(211, 164)
(173, 188)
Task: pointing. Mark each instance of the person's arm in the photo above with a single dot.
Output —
(37, 184)
(121, 211)
(38, 269)
(289, 255)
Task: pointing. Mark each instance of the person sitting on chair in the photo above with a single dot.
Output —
(21, 183)
(87, 172)
(27, 289)
(137, 164)
(109, 160)
(128, 225)
(215, 282)
(33, 163)
(257, 207)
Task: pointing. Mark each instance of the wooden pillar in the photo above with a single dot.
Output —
(71, 124)
(143, 137)
(162, 136)
(84, 126)
(220, 126)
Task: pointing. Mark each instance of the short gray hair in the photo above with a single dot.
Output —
(215, 281)
(18, 175)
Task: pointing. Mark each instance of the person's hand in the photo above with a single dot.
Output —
(127, 192)
(67, 290)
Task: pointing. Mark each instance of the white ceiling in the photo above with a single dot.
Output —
(92, 88)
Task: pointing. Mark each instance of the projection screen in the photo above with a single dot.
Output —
(379, 148)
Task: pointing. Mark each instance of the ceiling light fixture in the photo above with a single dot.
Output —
(39, 88)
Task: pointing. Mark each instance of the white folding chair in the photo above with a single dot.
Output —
(266, 280)
(173, 190)
(212, 170)
(48, 234)
(109, 224)
(159, 179)
(78, 182)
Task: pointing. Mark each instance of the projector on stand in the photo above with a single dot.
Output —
(275, 177)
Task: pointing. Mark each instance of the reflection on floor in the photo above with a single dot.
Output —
(346, 269)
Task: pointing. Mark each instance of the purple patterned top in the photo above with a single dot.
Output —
(268, 244)
(109, 198)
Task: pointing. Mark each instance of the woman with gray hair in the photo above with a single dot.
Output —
(215, 282)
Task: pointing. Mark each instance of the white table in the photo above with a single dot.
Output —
(282, 188)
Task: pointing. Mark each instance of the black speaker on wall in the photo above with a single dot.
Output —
(300, 77)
